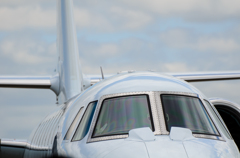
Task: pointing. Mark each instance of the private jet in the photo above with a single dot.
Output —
(128, 114)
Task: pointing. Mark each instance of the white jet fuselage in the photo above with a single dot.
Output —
(153, 85)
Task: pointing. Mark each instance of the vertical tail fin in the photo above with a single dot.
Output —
(69, 68)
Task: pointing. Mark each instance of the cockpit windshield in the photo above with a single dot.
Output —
(187, 112)
(119, 115)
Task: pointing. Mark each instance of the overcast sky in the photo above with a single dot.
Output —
(161, 35)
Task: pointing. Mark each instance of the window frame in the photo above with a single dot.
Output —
(152, 110)
(157, 113)
(80, 120)
(218, 117)
(195, 133)
(73, 127)
(162, 118)
(149, 108)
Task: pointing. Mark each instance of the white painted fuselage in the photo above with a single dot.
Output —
(162, 145)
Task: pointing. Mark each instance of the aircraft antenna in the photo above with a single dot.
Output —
(102, 72)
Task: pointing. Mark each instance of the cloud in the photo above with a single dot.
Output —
(112, 19)
(27, 51)
(176, 67)
(130, 19)
(14, 3)
(26, 17)
(216, 44)
(85, 18)
(193, 10)
(181, 39)
(114, 16)
(98, 50)
(108, 49)
(39, 17)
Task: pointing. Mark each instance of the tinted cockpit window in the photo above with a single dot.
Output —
(119, 115)
(187, 112)
(70, 130)
(85, 123)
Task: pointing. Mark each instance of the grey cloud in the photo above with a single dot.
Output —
(182, 39)
(175, 51)
(21, 51)
(195, 11)
(17, 3)
(27, 17)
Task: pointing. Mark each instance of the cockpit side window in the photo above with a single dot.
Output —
(73, 125)
(219, 120)
(187, 112)
(119, 115)
(85, 123)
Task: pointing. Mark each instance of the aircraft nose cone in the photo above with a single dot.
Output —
(163, 146)
(149, 149)
(134, 149)
(143, 143)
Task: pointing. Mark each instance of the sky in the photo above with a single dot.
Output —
(165, 36)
